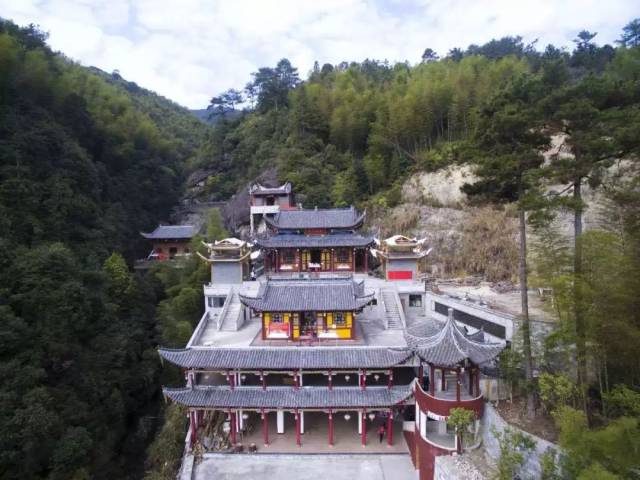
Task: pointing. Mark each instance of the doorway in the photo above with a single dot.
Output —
(308, 324)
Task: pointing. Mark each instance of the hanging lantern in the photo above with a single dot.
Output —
(226, 427)
(245, 416)
(347, 416)
(347, 377)
(376, 377)
(372, 416)
(243, 377)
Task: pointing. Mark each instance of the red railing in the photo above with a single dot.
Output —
(442, 406)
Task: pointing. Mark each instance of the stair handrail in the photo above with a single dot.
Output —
(225, 307)
(403, 320)
(384, 309)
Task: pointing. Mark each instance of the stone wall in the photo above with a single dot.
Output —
(531, 469)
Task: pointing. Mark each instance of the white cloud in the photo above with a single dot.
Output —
(193, 49)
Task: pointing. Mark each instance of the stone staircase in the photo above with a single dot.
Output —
(391, 310)
(229, 321)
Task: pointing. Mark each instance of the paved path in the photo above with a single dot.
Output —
(305, 467)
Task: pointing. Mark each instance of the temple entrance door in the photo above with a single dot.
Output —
(360, 253)
(308, 324)
(315, 259)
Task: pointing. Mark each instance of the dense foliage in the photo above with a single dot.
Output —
(85, 164)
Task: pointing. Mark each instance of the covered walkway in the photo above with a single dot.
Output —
(315, 439)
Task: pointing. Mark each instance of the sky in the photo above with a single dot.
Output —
(191, 50)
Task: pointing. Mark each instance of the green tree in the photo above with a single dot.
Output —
(614, 448)
(630, 34)
(515, 447)
(460, 419)
(511, 134)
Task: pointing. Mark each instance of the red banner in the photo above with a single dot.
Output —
(279, 327)
(400, 275)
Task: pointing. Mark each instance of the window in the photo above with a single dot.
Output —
(216, 302)
(342, 255)
(276, 318)
(340, 318)
(288, 257)
(415, 300)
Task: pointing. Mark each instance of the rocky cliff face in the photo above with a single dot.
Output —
(468, 239)
(465, 239)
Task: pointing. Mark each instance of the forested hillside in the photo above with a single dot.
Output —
(353, 132)
(86, 162)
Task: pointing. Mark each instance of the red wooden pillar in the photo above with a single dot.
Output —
(353, 260)
(390, 380)
(330, 428)
(232, 380)
(332, 259)
(471, 381)
(458, 382)
(263, 380)
(232, 422)
(299, 258)
(421, 375)
(296, 383)
(477, 381)
(442, 381)
(194, 427)
(366, 260)
(432, 379)
(330, 384)
(364, 427)
(265, 427)
(390, 428)
(363, 379)
(298, 440)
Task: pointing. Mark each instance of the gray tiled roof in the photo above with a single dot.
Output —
(316, 218)
(294, 358)
(303, 295)
(288, 397)
(416, 333)
(451, 345)
(166, 232)
(293, 240)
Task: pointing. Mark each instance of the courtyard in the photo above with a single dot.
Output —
(305, 467)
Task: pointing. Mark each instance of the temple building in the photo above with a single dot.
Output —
(315, 240)
(170, 241)
(304, 309)
(343, 356)
(267, 201)
(400, 257)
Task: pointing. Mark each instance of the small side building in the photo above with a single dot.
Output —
(170, 241)
(268, 201)
(230, 261)
(401, 257)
